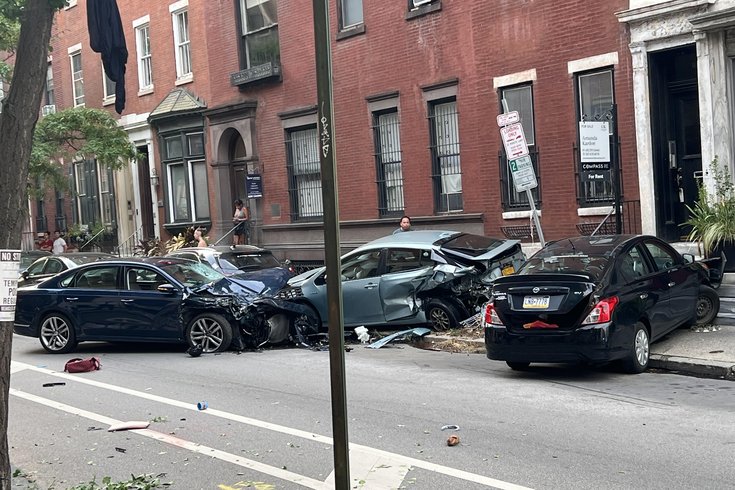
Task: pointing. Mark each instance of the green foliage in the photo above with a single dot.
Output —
(712, 218)
(140, 482)
(75, 134)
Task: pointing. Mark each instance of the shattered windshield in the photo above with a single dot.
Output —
(593, 265)
(246, 262)
(192, 274)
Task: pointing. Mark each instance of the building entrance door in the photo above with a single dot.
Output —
(675, 125)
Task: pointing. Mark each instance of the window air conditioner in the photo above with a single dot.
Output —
(418, 3)
(48, 109)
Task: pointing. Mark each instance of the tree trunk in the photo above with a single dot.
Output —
(17, 122)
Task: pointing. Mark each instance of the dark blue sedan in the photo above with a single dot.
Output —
(154, 299)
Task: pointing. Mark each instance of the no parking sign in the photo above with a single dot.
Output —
(9, 267)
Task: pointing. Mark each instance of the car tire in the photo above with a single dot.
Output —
(708, 305)
(210, 331)
(639, 355)
(310, 324)
(518, 366)
(57, 334)
(441, 315)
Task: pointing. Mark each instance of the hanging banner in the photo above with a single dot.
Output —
(9, 268)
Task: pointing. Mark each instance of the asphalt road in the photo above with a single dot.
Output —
(269, 421)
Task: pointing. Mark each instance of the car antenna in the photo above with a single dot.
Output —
(574, 249)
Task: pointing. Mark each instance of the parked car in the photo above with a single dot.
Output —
(257, 266)
(27, 257)
(50, 265)
(416, 277)
(155, 299)
(596, 299)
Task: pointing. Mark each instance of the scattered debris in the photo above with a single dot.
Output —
(203, 405)
(362, 334)
(120, 449)
(450, 427)
(195, 351)
(79, 365)
(92, 427)
(47, 385)
(453, 440)
(133, 424)
(412, 332)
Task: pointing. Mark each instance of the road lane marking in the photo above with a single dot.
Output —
(397, 459)
(181, 443)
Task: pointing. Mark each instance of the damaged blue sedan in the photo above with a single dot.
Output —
(154, 299)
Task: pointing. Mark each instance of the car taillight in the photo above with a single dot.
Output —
(491, 316)
(602, 311)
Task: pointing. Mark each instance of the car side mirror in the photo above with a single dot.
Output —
(688, 258)
(167, 288)
(25, 274)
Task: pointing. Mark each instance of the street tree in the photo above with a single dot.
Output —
(20, 110)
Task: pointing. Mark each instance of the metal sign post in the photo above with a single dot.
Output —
(519, 162)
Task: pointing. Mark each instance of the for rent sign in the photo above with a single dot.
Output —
(9, 266)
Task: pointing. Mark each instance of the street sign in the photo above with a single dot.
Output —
(514, 141)
(524, 177)
(511, 117)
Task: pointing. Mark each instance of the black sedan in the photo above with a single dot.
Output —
(155, 299)
(595, 300)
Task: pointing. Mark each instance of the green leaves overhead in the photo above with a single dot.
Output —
(77, 134)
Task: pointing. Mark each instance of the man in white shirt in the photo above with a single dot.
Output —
(59, 243)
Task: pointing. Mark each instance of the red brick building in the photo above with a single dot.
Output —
(221, 95)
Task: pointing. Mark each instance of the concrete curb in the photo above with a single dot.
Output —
(675, 364)
(695, 367)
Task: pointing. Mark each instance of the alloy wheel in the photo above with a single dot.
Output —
(55, 333)
(439, 319)
(641, 347)
(208, 333)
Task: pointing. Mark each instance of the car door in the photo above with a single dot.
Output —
(681, 280)
(643, 291)
(361, 302)
(34, 273)
(92, 301)
(406, 270)
(146, 312)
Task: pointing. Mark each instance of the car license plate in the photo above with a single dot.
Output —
(508, 270)
(535, 301)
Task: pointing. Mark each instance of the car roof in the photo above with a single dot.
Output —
(593, 245)
(223, 248)
(419, 238)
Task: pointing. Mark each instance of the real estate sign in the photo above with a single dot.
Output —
(594, 141)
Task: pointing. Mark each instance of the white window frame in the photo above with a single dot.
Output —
(144, 55)
(182, 47)
(76, 76)
(344, 6)
(107, 96)
(247, 32)
(195, 214)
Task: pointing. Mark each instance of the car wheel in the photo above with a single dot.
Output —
(708, 305)
(57, 334)
(518, 366)
(637, 360)
(210, 331)
(441, 316)
(307, 324)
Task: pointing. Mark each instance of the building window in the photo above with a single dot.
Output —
(2, 94)
(304, 172)
(108, 87)
(145, 66)
(49, 97)
(259, 23)
(446, 168)
(186, 177)
(350, 13)
(386, 133)
(595, 97)
(414, 4)
(77, 78)
(181, 44)
(519, 98)
(106, 195)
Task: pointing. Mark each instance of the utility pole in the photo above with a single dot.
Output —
(330, 199)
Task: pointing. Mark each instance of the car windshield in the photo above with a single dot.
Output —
(232, 261)
(192, 274)
(472, 244)
(544, 263)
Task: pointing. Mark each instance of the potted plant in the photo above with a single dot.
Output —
(712, 218)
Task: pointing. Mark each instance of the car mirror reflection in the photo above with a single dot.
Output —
(167, 288)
